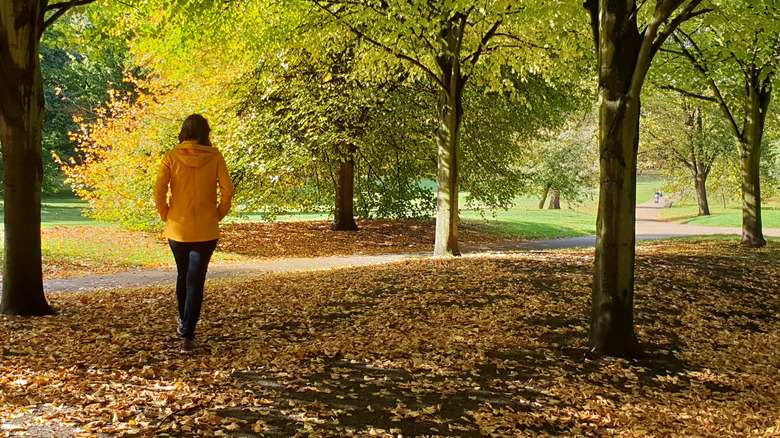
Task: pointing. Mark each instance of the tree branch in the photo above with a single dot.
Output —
(711, 83)
(483, 43)
(383, 47)
(687, 93)
(683, 16)
(592, 6)
(60, 9)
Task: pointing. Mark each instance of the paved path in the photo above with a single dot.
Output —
(648, 227)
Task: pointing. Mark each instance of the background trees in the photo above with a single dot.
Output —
(688, 140)
(450, 44)
(734, 55)
(324, 134)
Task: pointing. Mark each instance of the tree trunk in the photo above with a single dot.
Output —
(752, 229)
(555, 201)
(21, 122)
(612, 307)
(700, 181)
(343, 212)
(544, 196)
(450, 107)
(759, 94)
(699, 165)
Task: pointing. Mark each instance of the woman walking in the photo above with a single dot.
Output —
(193, 170)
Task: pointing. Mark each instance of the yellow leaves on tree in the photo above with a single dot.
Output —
(118, 155)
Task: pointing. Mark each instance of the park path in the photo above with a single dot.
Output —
(648, 227)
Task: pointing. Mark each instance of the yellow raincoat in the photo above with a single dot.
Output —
(193, 172)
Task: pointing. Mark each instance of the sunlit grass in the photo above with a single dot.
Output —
(532, 224)
(731, 216)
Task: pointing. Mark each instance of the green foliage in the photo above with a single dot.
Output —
(314, 111)
(76, 80)
(565, 161)
(679, 133)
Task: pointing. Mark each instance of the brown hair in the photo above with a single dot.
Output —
(195, 127)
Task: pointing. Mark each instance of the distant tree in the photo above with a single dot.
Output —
(687, 140)
(325, 137)
(735, 54)
(451, 44)
(563, 165)
(506, 137)
(76, 79)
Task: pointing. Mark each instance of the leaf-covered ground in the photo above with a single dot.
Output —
(470, 347)
(90, 250)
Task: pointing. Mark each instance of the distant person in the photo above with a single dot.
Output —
(657, 196)
(194, 169)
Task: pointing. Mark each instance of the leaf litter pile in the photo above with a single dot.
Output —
(491, 345)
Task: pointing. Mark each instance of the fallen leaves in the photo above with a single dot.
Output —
(316, 239)
(476, 346)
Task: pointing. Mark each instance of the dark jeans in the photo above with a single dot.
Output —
(192, 261)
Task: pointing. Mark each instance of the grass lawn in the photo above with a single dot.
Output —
(492, 345)
(731, 216)
(532, 224)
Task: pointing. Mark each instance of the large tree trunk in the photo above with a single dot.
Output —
(612, 307)
(555, 201)
(21, 121)
(752, 228)
(759, 94)
(450, 107)
(343, 213)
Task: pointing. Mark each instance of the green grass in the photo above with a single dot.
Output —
(646, 188)
(532, 223)
(731, 216)
(289, 217)
(91, 253)
(60, 211)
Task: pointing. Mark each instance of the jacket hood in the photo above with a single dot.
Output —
(192, 154)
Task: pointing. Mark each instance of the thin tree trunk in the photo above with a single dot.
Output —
(343, 212)
(700, 181)
(555, 201)
(612, 311)
(450, 107)
(21, 122)
(544, 196)
(698, 166)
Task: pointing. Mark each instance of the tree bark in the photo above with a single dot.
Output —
(612, 307)
(450, 106)
(759, 94)
(699, 165)
(21, 122)
(343, 212)
(700, 182)
(555, 201)
(544, 196)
